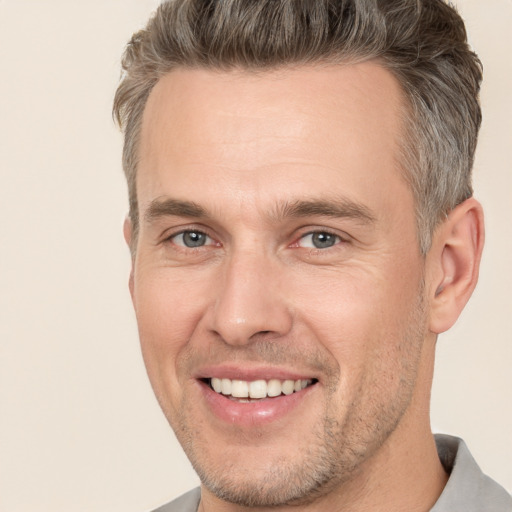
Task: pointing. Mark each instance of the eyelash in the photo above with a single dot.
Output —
(183, 232)
(337, 239)
(313, 250)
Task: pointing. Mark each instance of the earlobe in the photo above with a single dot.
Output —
(454, 260)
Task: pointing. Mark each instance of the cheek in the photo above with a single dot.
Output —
(361, 315)
(168, 303)
(168, 310)
(370, 327)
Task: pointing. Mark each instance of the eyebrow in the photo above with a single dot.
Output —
(159, 208)
(337, 208)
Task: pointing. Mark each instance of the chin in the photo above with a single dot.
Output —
(260, 476)
(284, 483)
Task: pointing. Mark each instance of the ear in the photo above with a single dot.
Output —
(128, 236)
(453, 263)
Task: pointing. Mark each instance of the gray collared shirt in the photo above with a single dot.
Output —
(467, 490)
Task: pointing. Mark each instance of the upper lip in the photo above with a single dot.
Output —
(250, 373)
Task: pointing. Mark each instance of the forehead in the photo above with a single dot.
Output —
(271, 134)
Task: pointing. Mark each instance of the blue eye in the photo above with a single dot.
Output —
(191, 239)
(319, 240)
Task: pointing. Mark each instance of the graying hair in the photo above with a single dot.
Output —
(422, 42)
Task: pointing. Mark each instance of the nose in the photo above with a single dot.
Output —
(250, 301)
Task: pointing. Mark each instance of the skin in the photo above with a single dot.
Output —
(253, 152)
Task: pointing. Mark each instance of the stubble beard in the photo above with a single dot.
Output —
(337, 451)
(286, 481)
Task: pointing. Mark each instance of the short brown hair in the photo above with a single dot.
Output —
(422, 42)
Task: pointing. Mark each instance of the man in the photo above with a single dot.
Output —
(302, 227)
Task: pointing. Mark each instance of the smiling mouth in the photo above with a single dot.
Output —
(242, 390)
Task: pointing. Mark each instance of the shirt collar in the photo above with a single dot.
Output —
(468, 489)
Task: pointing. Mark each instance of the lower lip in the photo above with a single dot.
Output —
(256, 413)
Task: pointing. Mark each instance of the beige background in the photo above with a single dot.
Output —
(79, 427)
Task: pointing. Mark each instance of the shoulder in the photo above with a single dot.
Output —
(186, 503)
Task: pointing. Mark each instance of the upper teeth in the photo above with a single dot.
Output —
(257, 388)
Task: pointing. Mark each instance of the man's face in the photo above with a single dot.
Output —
(278, 252)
